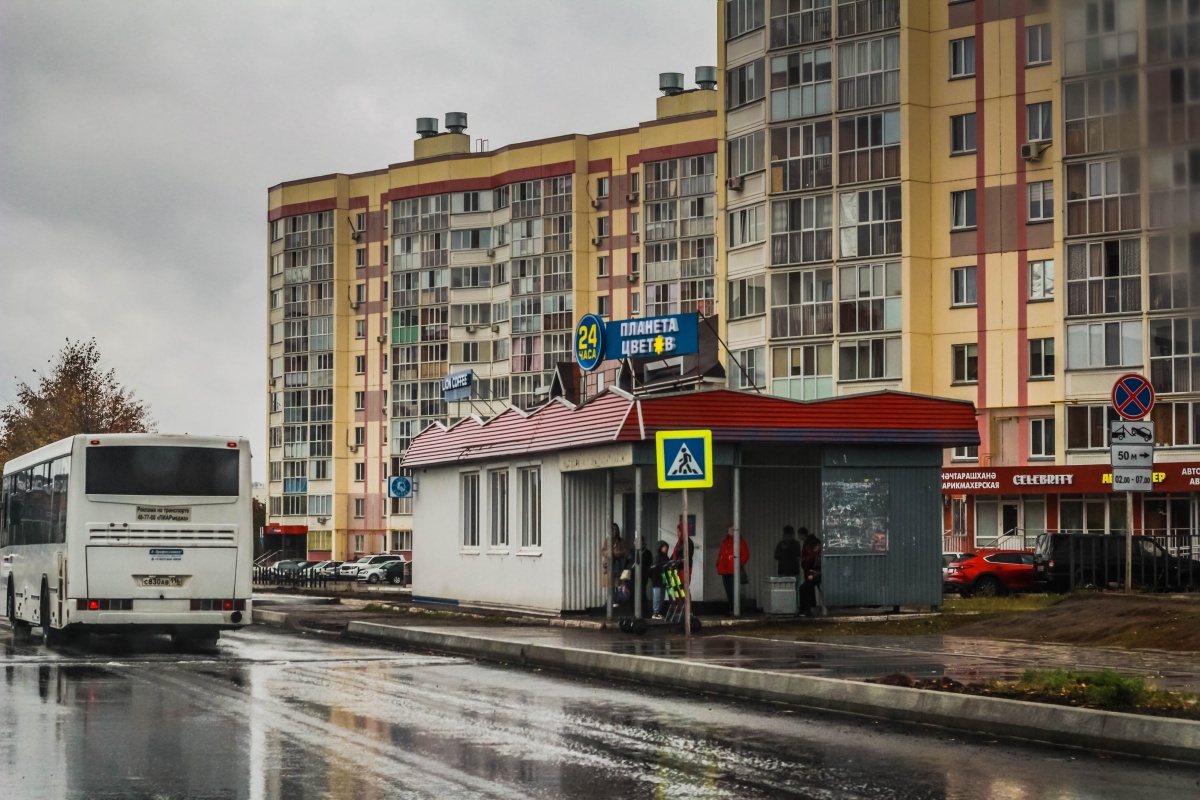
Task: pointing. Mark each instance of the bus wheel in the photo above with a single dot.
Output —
(49, 635)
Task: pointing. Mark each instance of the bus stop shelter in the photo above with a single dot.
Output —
(514, 511)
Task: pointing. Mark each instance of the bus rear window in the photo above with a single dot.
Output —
(187, 471)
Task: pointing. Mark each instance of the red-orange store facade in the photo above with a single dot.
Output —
(1010, 506)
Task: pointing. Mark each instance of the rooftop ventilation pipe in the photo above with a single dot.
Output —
(670, 83)
(427, 127)
(456, 121)
(706, 78)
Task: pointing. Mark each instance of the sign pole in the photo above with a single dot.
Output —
(610, 567)
(1129, 543)
(687, 571)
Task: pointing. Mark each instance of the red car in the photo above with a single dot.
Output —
(989, 573)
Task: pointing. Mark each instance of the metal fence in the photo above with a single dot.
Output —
(1099, 561)
(303, 579)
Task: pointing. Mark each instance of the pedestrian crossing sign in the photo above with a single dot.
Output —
(684, 459)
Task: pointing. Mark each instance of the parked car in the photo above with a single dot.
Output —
(989, 573)
(327, 569)
(350, 568)
(385, 571)
(314, 568)
(288, 565)
(1064, 561)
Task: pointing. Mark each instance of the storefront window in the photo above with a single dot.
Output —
(1091, 514)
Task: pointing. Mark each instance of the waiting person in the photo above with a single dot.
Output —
(620, 562)
(657, 579)
(810, 566)
(677, 553)
(725, 566)
(787, 553)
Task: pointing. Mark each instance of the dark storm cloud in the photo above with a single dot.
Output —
(139, 139)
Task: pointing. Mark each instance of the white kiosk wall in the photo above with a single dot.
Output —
(670, 506)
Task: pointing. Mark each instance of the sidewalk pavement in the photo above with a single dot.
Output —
(827, 674)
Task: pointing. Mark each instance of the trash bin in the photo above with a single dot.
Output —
(780, 595)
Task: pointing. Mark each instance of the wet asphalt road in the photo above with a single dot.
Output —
(273, 715)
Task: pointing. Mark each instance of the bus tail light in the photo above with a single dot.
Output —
(218, 605)
(103, 604)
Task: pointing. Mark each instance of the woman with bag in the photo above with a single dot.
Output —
(725, 565)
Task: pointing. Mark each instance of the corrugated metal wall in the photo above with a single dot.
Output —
(585, 524)
(910, 573)
(771, 498)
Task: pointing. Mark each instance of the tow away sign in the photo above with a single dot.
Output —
(1132, 451)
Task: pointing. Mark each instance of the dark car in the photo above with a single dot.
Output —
(990, 573)
(1064, 561)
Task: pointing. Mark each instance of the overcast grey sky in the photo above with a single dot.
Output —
(140, 138)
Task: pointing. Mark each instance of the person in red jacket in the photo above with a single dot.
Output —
(725, 565)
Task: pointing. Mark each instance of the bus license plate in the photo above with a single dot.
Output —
(162, 580)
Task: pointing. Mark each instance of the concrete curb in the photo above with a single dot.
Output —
(1129, 734)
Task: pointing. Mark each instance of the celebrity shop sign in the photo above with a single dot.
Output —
(1077, 479)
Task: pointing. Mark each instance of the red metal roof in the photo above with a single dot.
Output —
(732, 416)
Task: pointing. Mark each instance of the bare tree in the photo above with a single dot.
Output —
(76, 396)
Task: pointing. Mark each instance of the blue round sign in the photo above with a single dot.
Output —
(589, 342)
(399, 486)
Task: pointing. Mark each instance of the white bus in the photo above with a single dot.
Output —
(131, 532)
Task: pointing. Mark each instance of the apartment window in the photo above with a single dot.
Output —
(1087, 426)
(1104, 344)
(869, 359)
(748, 369)
(1039, 122)
(1102, 196)
(962, 210)
(602, 267)
(802, 303)
(962, 57)
(1041, 438)
(745, 84)
(1100, 35)
(360, 435)
(530, 482)
(360, 472)
(662, 299)
(1038, 43)
(803, 372)
(360, 511)
(1041, 358)
(1104, 277)
(745, 154)
(969, 453)
(1174, 282)
(869, 73)
(963, 290)
(500, 198)
(1041, 280)
(747, 297)
(604, 306)
(802, 230)
(321, 470)
(962, 133)
(800, 22)
(498, 502)
(469, 202)
(742, 16)
(802, 157)
(471, 239)
(360, 329)
(360, 401)
(360, 257)
(634, 226)
(470, 509)
(635, 263)
(869, 298)
(864, 16)
(360, 365)
(1103, 114)
(1175, 355)
(747, 226)
(1041, 201)
(470, 314)
(276, 298)
(601, 187)
(965, 358)
(471, 277)
(635, 303)
(869, 222)
(801, 84)
(603, 227)
(1176, 424)
(869, 147)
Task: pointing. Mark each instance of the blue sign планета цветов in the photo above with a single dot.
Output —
(665, 337)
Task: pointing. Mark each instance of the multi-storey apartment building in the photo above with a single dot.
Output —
(383, 283)
(893, 167)
(867, 202)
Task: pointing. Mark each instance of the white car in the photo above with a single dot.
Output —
(387, 572)
(352, 568)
